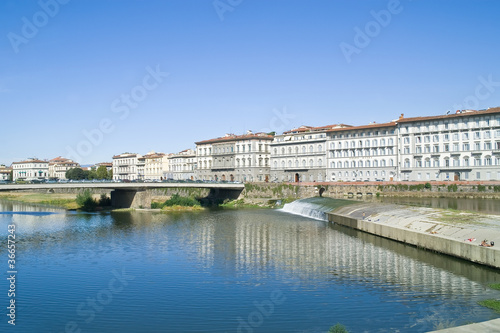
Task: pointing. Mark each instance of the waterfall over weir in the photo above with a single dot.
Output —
(315, 208)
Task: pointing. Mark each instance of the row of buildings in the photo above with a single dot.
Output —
(460, 146)
(36, 169)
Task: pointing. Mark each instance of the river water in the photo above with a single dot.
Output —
(226, 271)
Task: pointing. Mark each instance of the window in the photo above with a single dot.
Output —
(455, 137)
(446, 147)
(487, 146)
(446, 137)
(419, 150)
(477, 135)
(406, 140)
(465, 136)
(435, 138)
(466, 161)
(487, 160)
(465, 147)
(477, 161)
(477, 146)
(435, 149)
(455, 147)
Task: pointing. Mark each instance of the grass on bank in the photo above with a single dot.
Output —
(240, 203)
(495, 286)
(63, 200)
(491, 304)
(178, 203)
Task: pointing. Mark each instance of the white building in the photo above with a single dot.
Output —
(461, 146)
(5, 172)
(300, 154)
(59, 165)
(244, 158)
(128, 166)
(107, 165)
(363, 153)
(31, 169)
(182, 165)
(156, 166)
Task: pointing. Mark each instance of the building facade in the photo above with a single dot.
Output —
(242, 158)
(182, 166)
(5, 172)
(31, 169)
(363, 153)
(156, 166)
(460, 146)
(127, 166)
(300, 154)
(59, 165)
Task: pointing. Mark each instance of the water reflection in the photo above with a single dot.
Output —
(192, 263)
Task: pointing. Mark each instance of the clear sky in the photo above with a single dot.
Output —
(90, 79)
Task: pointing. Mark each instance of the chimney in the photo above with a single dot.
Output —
(402, 116)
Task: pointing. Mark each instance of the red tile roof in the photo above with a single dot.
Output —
(457, 114)
(390, 124)
(303, 128)
(123, 155)
(30, 161)
(233, 137)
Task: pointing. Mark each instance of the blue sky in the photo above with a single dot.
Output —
(227, 66)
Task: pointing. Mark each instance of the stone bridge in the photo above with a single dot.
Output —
(135, 195)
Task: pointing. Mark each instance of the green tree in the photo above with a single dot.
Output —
(76, 174)
(102, 172)
(92, 174)
(110, 174)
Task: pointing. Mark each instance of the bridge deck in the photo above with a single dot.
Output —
(120, 186)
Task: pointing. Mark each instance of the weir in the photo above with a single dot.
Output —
(419, 226)
(316, 207)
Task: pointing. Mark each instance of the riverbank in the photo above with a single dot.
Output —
(290, 191)
(63, 200)
(454, 233)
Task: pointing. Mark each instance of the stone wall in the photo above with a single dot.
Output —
(413, 189)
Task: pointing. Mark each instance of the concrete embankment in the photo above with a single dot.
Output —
(453, 233)
(490, 326)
